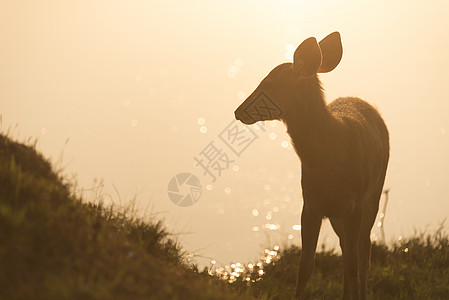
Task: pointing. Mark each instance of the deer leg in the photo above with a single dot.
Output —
(337, 225)
(364, 261)
(367, 222)
(368, 219)
(351, 227)
(310, 229)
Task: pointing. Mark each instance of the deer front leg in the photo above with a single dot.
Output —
(310, 229)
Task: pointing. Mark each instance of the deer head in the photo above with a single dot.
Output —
(285, 85)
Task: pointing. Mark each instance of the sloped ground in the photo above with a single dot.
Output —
(55, 246)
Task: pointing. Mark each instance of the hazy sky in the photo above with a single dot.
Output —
(128, 82)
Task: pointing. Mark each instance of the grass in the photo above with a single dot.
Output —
(54, 245)
(412, 268)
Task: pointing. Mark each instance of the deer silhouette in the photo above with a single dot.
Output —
(344, 150)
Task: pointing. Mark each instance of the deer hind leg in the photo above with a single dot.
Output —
(364, 261)
(351, 230)
(337, 225)
(310, 229)
(368, 219)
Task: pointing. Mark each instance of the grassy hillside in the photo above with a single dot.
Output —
(55, 246)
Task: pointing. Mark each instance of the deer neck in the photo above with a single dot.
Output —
(311, 126)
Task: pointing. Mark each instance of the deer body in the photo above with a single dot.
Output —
(344, 152)
(347, 161)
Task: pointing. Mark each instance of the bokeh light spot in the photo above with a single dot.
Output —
(296, 227)
(255, 212)
(201, 121)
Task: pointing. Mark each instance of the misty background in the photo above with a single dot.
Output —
(139, 88)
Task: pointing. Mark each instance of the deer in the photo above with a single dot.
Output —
(343, 148)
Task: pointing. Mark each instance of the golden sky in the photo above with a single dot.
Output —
(132, 83)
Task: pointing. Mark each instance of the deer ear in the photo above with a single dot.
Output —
(332, 51)
(307, 58)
